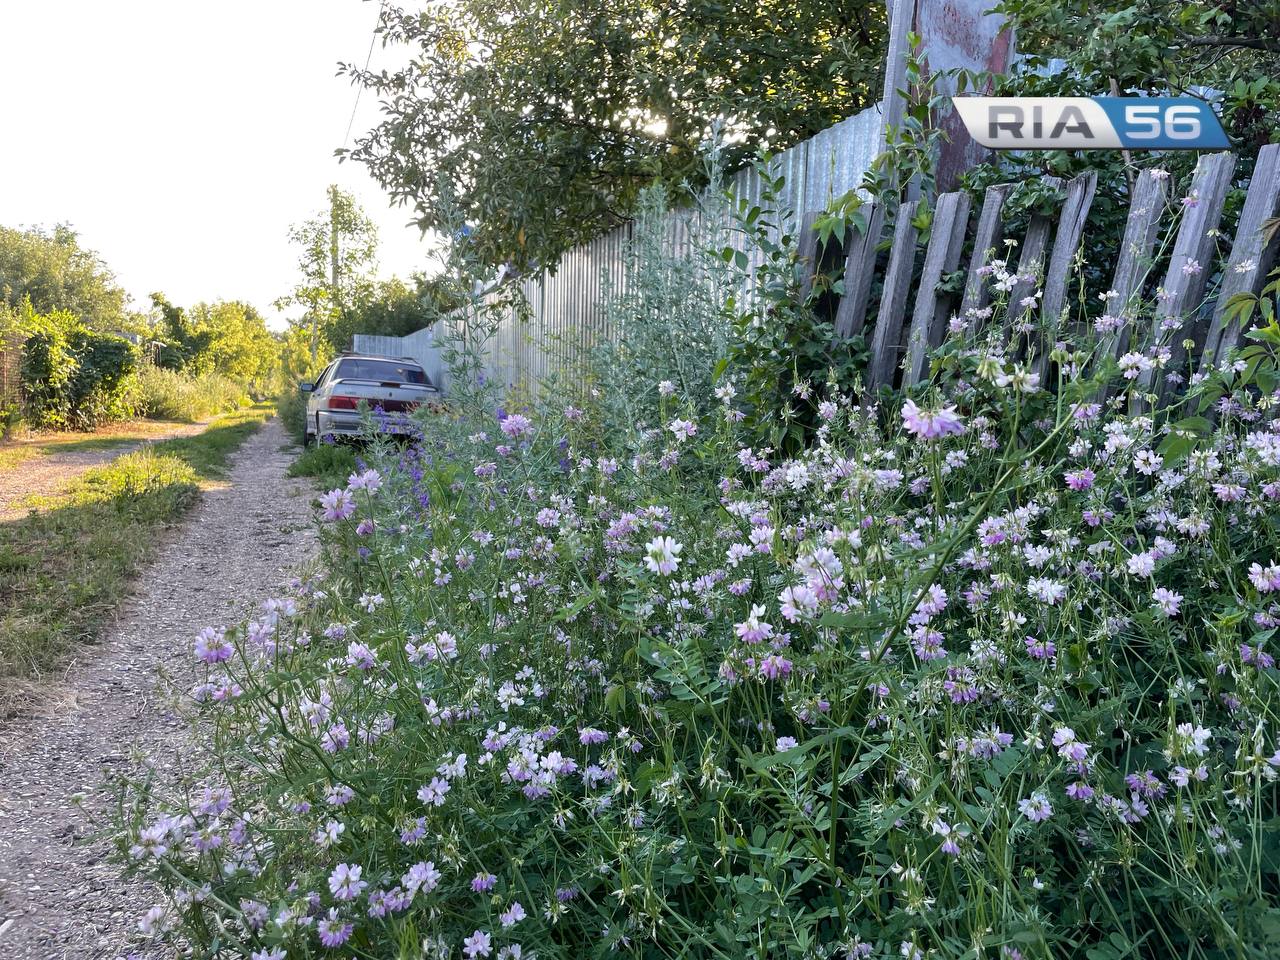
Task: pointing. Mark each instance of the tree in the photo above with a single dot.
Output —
(394, 309)
(227, 337)
(339, 252)
(1180, 46)
(239, 345)
(181, 345)
(541, 120)
(55, 273)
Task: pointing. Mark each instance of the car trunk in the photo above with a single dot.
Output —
(389, 395)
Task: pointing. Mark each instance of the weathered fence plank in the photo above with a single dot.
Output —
(1030, 263)
(929, 319)
(1146, 204)
(1189, 265)
(1251, 258)
(859, 270)
(1066, 243)
(886, 342)
(807, 252)
(985, 239)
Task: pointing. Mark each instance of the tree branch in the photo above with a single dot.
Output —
(1250, 43)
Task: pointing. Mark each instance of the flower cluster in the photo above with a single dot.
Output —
(983, 669)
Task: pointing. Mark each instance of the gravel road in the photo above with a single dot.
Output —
(59, 897)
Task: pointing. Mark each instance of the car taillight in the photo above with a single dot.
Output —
(343, 403)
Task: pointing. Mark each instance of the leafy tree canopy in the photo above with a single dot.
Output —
(228, 337)
(394, 308)
(52, 271)
(538, 122)
(1183, 46)
(338, 249)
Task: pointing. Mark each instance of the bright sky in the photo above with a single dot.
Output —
(182, 139)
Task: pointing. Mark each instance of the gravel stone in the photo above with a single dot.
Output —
(59, 896)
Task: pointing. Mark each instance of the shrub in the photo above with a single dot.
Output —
(170, 395)
(47, 369)
(668, 321)
(76, 377)
(783, 338)
(291, 408)
(987, 672)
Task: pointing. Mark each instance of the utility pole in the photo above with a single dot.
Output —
(335, 299)
(334, 294)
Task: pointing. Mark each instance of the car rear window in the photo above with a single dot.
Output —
(382, 370)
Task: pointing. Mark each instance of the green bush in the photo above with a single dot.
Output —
(163, 394)
(988, 672)
(101, 386)
(291, 408)
(76, 377)
(47, 369)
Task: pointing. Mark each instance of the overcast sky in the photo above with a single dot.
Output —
(181, 139)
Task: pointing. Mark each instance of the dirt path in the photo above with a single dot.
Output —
(59, 898)
(52, 472)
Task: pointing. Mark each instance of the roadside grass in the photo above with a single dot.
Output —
(65, 569)
(16, 451)
(329, 463)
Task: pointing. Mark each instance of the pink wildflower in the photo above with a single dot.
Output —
(774, 667)
(479, 944)
(516, 425)
(931, 424)
(337, 505)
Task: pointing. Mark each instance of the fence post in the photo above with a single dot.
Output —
(1189, 266)
(1146, 204)
(886, 340)
(1030, 264)
(1065, 244)
(1250, 258)
(859, 266)
(929, 319)
(985, 239)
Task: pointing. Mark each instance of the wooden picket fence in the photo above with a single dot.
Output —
(568, 310)
(902, 331)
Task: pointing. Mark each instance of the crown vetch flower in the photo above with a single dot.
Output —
(345, 882)
(337, 505)
(662, 555)
(931, 424)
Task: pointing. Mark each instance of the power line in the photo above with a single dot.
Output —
(360, 86)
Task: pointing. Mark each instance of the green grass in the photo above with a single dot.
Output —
(110, 436)
(330, 464)
(64, 569)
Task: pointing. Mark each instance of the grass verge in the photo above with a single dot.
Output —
(13, 452)
(329, 463)
(64, 570)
